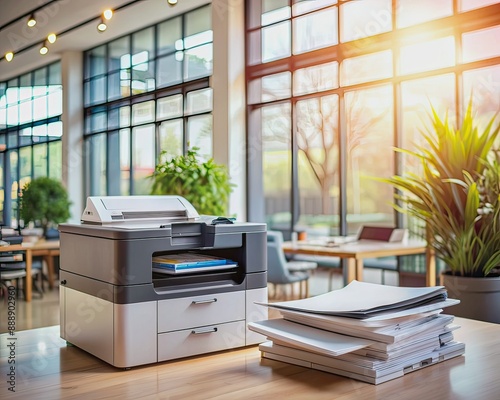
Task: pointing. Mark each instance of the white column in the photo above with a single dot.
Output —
(228, 83)
(72, 139)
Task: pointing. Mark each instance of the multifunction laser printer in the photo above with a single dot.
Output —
(118, 307)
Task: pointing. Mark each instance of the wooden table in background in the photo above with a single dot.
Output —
(355, 252)
(47, 369)
(47, 249)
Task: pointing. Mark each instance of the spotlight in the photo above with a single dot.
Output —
(44, 49)
(172, 2)
(52, 38)
(102, 26)
(107, 14)
(9, 56)
(31, 20)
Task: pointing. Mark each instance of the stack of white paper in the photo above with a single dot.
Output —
(365, 331)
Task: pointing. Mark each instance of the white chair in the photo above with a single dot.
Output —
(283, 272)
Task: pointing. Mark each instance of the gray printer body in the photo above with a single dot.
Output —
(115, 307)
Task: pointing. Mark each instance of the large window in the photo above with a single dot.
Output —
(146, 93)
(30, 134)
(333, 86)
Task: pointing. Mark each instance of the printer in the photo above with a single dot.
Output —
(119, 308)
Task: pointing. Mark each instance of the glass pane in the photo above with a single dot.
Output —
(119, 53)
(276, 42)
(484, 85)
(199, 101)
(169, 36)
(125, 162)
(98, 90)
(317, 141)
(98, 121)
(199, 134)
(316, 79)
(96, 165)
(95, 62)
(55, 100)
(369, 150)
(25, 111)
(427, 56)
(143, 77)
(169, 107)
(114, 86)
(143, 158)
(197, 21)
(366, 68)
(40, 160)
(198, 62)
(170, 70)
(277, 86)
(274, 11)
(303, 6)
(481, 44)
(314, 31)
(54, 129)
(411, 12)
(171, 134)
(417, 96)
(143, 43)
(40, 103)
(24, 166)
(55, 77)
(55, 160)
(143, 112)
(361, 19)
(277, 165)
(466, 5)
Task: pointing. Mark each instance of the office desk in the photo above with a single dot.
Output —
(47, 369)
(357, 251)
(47, 249)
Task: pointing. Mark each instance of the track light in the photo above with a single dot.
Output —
(31, 20)
(102, 25)
(107, 14)
(52, 38)
(9, 56)
(44, 49)
(172, 2)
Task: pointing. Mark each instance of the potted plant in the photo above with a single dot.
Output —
(457, 197)
(44, 201)
(205, 184)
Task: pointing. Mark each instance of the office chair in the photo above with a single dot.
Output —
(283, 272)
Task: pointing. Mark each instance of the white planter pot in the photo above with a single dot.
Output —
(479, 297)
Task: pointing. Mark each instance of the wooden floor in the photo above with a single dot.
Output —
(44, 311)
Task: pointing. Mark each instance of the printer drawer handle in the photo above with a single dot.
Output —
(203, 330)
(204, 301)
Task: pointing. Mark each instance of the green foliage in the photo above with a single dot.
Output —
(44, 201)
(457, 195)
(206, 185)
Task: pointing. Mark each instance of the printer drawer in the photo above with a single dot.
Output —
(195, 341)
(191, 312)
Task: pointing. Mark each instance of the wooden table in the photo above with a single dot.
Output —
(355, 252)
(47, 369)
(47, 249)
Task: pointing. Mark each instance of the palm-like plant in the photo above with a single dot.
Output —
(457, 195)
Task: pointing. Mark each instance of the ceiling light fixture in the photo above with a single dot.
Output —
(107, 14)
(101, 27)
(44, 49)
(172, 2)
(52, 37)
(9, 56)
(31, 20)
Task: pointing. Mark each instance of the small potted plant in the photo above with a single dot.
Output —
(457, 196)
(205, 184)
(45, 202)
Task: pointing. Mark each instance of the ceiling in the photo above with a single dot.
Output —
(62, 15)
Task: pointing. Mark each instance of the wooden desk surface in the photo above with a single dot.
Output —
(355, 252)
(45, 248)
(47, 369)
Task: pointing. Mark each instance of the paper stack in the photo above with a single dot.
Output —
(365, 331)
